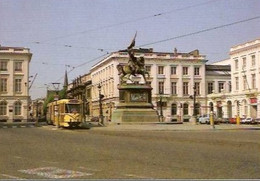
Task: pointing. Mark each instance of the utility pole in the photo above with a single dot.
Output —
(161, 108)
(101, 96)
(193, 118)
(56, 98)
(37, 113)
(238, 113)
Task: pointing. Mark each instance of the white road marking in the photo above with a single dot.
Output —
(137, 176)
(54, 173)
(12, 177)
(49, 161)
(90, 169)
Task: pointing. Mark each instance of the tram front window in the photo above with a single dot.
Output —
(72, 108)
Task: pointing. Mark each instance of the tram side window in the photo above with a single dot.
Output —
(72, 108)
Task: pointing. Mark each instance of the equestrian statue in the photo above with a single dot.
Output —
(135, 66)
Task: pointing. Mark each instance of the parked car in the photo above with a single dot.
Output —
(224, 120)
(205, 119)
(232, 120)
(243, 120)
(248, 120)
(256, 121)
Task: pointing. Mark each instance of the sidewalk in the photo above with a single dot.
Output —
(174, 127)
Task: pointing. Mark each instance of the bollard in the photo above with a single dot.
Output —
(211, 119)
(238, 120)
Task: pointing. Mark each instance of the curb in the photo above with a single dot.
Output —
(20, 125)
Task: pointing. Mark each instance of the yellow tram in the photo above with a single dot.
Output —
(64, 113)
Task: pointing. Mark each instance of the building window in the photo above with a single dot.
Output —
(236, 64)
(174, 88)
(3, 85)
(210, 87)
(17, 108)
(185, 109)
(18, 66)
(197, 88)
(237, 83)
(244, 83)
(173, 70)
(244, 63)
(174, 109)
(220, 86)
(185, 88)
(161, 87)
(160, 69)
(18, 85)
(3, 108)
(230, 86)
(196, 71)
(253, 81)
(3, 65)
(253, 60)
(148, 69)
(185, 70)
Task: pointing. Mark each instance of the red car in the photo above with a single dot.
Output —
(232, 120)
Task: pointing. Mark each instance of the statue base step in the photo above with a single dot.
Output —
(135, 115)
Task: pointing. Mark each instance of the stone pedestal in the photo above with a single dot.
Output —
(135, 104)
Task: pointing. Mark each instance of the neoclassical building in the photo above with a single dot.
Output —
(14, 83)
(173, 76)
(244, 98)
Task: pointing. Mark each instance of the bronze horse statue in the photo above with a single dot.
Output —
(125, 71)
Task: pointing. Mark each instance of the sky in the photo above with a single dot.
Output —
(63, 34)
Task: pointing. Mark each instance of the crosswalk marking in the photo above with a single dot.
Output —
(55, 173)
(12, 177)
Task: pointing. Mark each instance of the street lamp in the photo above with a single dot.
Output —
(193, 118)
(56, 87)
(238, 113)
(101, 96)
(161, 110)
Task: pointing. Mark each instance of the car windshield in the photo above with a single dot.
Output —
(72, 108)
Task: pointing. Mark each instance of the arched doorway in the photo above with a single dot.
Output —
(197, 109)
(219, 109)
(229, 109)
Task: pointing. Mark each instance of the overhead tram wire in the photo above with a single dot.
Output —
(201, 31)
(80, 65)
(113, 25)
(131, 21)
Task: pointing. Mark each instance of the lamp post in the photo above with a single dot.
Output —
(238, 113)
(56, 98)
(161, 110)
(193, 118)
(101, 96)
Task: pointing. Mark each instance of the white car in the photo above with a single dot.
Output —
(204, 119)
(248, 120)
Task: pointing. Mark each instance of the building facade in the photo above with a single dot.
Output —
(174, 77)
(218, 87)
(244, 99)
(14, 84)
